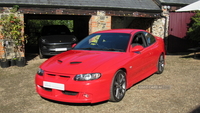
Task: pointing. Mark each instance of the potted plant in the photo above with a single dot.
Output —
(4, 43)
(4, 61)
(18, 39)
(12, 27)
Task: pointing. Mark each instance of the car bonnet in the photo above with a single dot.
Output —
(76, 62)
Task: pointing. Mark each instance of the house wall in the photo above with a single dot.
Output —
(101, 20)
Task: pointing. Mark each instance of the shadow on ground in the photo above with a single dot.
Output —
(196, 57)
(30, 56)
(187, 55)
(75, 104)
(196, 110)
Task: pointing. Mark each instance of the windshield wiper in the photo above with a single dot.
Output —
(105, 49)
(112, 49)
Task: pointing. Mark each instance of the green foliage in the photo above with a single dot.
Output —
(14, 9)
(12, 31)
(34, 28)
(194, 30)
(40, 23)
(11, 28)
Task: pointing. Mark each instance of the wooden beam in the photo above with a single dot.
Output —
(67, 11)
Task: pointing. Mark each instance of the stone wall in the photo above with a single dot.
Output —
(99, 22)
(158, 27)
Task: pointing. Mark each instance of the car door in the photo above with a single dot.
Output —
(139, 60)
(152, 47)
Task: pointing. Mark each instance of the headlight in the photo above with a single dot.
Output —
(86, 77)
(40, 72)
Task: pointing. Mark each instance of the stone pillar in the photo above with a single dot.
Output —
(161, 25)
(158, 27)
(99, 22)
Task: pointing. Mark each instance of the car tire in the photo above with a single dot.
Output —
(161, 64)
(40, 54)
(118, 86)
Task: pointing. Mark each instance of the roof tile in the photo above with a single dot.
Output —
(118, 4)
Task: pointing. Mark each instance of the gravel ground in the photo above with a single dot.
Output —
(177, 90)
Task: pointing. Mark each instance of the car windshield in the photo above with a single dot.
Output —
(105, 42)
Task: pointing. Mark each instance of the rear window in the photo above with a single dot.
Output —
(55, 30)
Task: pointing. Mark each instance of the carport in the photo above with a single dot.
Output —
(80, 27)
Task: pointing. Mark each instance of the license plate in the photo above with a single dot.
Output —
(61, 49)
(53, 85)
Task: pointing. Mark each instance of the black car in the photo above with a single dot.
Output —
(55, 39)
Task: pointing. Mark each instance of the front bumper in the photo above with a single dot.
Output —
(50, 50)
(74, 91)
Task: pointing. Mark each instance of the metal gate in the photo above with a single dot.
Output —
(179, 24)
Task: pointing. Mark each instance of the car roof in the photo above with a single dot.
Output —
(120, 31)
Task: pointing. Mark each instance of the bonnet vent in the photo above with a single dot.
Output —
(75, 62)
(60, 61)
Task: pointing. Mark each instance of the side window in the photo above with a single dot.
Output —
(150, 38)
(138, 39)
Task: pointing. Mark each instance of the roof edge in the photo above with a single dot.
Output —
(83, 7)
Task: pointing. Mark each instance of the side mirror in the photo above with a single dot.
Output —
(137, 48)
(73, 45)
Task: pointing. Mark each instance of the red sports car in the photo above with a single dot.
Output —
(101, 67)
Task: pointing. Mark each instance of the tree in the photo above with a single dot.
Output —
(194, 30)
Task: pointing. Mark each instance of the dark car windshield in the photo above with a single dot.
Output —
(55, 30)
(105, 42)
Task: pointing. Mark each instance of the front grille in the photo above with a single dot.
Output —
(60, 46)
(51, 74)
(47, 89)
(64, 92)
(64, 76)
(69, 93)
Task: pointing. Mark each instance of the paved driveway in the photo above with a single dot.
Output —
(177, 90)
